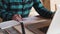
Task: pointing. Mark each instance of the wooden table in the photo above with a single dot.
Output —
(30, 27)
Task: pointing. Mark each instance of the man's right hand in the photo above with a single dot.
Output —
(17, 17)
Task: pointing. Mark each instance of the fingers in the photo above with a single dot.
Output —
(17, 17)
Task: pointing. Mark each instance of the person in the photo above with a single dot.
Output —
(18, 9)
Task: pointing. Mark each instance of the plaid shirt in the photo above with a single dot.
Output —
(8, 8)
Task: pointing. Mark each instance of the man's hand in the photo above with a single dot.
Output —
(17, 17)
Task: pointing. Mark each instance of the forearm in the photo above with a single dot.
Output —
(42, 10)
(45, 13)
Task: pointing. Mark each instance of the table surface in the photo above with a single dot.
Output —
(17, 29)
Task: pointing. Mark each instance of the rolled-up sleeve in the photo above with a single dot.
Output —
(41, 9)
